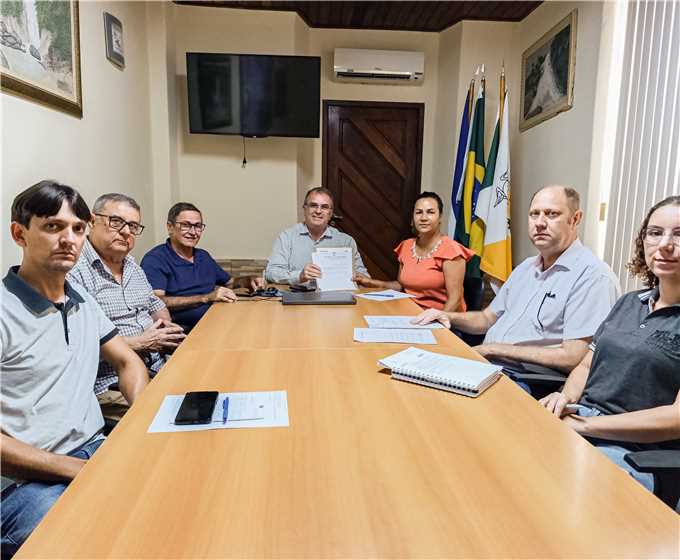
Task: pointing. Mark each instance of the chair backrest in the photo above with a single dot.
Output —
(473, 292)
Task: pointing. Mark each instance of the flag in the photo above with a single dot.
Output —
(468, 231)
(493, 200)
(463, 145)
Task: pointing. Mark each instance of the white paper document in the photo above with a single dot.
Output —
(397, 322)
(265, 409)
(336, 268)
(385, 295)
(401, 336)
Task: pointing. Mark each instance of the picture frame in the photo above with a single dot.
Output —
(113, 32)
(40, 53)
(548, 68)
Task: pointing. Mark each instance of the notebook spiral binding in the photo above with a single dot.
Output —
(420, 376)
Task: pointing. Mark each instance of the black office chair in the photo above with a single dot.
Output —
(664, 464)
(473, 294)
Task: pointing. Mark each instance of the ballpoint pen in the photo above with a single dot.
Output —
(225, 409)
(382, 295)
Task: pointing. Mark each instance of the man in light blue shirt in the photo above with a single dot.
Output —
(291, 258)
(552, 304)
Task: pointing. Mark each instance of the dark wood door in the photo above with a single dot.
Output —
(372, 155)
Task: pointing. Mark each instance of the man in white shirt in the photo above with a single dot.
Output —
(291, 258)
(548, 310)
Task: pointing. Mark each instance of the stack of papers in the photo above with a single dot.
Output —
(264, 409)
(395, 328)
(336, 268)
(384, 295)
(400, 336)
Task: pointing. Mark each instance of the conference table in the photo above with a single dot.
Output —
(369, 467)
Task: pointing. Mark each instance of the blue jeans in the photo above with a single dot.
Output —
(615, 451)
(24, 505)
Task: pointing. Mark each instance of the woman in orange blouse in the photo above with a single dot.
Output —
(431, 265)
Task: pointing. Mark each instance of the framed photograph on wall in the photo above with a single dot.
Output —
(40, 53)
(113, 31)
(548, 74)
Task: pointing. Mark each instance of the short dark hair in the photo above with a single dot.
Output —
(573, 198)
(114, 197)
(432, 195)
(45, 199)
(319, 190)
(180, 207)
(638, 265)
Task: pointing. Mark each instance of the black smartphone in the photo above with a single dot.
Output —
(197, 408)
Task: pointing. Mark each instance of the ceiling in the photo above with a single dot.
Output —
(402, 16)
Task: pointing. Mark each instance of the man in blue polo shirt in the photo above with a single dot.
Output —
(188, 279)
(52, 334)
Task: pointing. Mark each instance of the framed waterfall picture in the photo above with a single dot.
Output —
(548, 74)
(40, 53)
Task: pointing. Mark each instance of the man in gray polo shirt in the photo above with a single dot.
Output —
(291, 258)
(118, 284)
(548, 310)
(51, 334)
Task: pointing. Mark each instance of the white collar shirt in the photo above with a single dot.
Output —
(567, 301)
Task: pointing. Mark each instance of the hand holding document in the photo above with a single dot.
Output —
(336, 268)
(400, 336)
(397, 322)
(384, 295)
(263, 409)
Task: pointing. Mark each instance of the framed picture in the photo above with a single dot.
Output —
(40, 53)
(548, 74)
(113, 31)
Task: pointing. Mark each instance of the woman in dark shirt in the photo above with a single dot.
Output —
(625, 394)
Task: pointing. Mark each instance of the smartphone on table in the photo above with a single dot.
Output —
(197, 408)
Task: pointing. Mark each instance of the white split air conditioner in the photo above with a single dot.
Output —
(372, 66)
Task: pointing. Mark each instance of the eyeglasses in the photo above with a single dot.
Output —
(654, 236)
(188, 226)
(322, 207)
(117, 223)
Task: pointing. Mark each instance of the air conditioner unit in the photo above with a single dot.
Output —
(373, 66)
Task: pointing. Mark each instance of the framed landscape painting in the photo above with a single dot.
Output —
(548, 74)
(40, 52)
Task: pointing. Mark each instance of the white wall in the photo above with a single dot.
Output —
(108, 150)
(558, 150)
(244, 208)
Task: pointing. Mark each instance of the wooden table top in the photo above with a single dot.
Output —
(369, 467)
(266, 324)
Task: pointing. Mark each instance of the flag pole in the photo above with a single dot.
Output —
(501, 97)
(483, 80)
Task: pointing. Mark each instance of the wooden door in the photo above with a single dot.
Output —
(372, 155)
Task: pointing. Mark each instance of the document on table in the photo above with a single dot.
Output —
(384, 295)
(336, 268)
(264, 409)
(397, 322)
(401, 336)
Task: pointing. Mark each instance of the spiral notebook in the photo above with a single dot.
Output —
(458, 375)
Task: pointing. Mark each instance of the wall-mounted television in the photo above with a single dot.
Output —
(254, 95)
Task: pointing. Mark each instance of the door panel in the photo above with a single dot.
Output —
(372, 154)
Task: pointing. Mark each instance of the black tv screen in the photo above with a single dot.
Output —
(254, 95)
